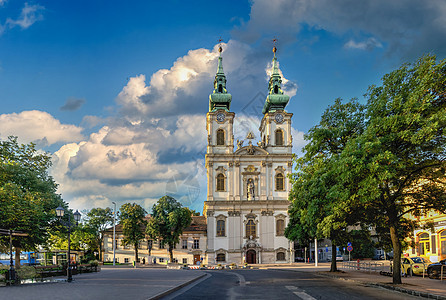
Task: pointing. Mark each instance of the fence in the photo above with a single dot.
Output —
(370, 266)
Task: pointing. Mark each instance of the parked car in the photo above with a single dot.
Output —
(414, 265)
(434, 270)
(339, 258)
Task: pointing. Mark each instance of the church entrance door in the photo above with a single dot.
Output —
(251, 257)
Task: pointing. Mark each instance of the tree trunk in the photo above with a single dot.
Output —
(396, 255)
(101, 240)
(136, 253)
(171, 253)
(333, 267)
(17, 257)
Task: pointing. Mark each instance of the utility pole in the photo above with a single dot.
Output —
(114, 232)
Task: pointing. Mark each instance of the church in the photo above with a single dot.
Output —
(247, 187)
(246, 209)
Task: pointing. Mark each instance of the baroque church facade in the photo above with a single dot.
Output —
(247, 187)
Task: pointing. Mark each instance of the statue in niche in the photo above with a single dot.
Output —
(251, 195)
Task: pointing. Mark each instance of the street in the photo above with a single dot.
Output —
(278, 284)
(146, 283)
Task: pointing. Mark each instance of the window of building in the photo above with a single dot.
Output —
(280, 227)
(280, 255)
(220, 88)
(220, 182)
(276, 89)
(220, 137)
(424, 243)
(161, 260)
(280, 182)
(250, 228)
(196, 244)
(184, 260)
(116, 244)
(221, 257)
(126, 260)
(443, 242)
(175, 260)
(184, 244)
(279, 137)
(220, 228)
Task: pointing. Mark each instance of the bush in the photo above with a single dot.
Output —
(26, 272)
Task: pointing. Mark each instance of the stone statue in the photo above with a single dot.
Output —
(239, 144)
(251, 195)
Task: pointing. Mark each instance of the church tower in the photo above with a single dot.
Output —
(247, 192)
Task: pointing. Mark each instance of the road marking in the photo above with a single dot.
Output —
(241, 279)
(299, 292)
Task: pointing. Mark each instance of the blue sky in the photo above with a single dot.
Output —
(117, 92)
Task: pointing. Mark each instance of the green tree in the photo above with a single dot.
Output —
(316, 210)
(28, 195)
(363, 246)
(397, 166)
(99, 219)
(168, 221)
(132, 219)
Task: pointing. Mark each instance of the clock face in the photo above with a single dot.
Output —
(220, 117)
(279, 118)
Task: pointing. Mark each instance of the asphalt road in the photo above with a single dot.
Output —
(278, 284)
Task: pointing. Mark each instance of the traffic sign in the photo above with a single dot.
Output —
(349, 244)
(349, 248)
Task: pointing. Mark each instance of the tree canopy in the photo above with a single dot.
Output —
(392, 167)
(28, 194)
(168, 221)
(132, 219)
(99, 220)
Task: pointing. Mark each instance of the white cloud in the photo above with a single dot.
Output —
(29, 15)
(368, 44)
(38, 127)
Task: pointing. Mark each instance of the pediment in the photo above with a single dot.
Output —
(251, 150)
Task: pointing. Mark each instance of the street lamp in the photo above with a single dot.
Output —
(60, 211)
(114, 232)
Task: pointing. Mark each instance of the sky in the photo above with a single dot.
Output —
(117, 91)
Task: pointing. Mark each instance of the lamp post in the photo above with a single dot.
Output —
(60, 211)
(114, 232)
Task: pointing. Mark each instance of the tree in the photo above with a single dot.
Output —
(132, 219)
(168, 221)
(99, 219)
(28, 195)
(397, 166)
(316, 210)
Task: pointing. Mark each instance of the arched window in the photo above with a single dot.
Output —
(220, 137)
(221, 257)
(424, 243)
(220, 182)
(220, 228)
(279, 137)
(280, 227)
(443, 243)
(276, 89)
(220, 88)
(280, 182)
(280, 255)
(250, 228)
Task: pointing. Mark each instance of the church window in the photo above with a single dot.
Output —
(220, 228)
(220, 182)
(279, 137)
(280, 182)
(220, 88)
(221, 257)
(220, 137)
(250, 228)
(280, 227)
(280, 255)
(276, 89)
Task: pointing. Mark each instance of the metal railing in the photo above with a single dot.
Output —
(366, 265)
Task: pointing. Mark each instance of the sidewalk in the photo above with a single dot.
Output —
(416, 285)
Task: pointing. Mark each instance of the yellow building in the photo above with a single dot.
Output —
(430, 244)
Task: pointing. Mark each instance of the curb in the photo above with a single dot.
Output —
(389, 287)
(174, 289)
